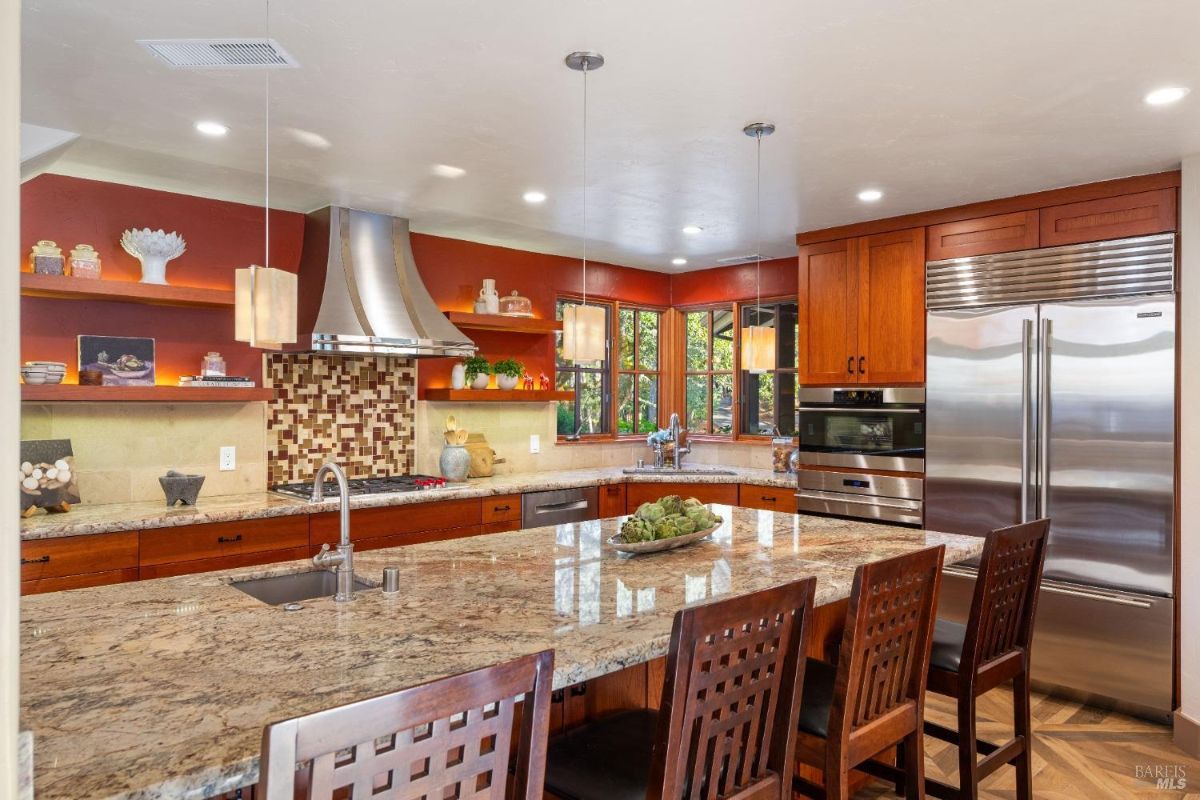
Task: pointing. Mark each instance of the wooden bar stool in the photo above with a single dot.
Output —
(727, 724)
(874, 698)
(448, 738)
(990, 650)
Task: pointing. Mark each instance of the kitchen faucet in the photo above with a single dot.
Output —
(674, 430)
(343, 560)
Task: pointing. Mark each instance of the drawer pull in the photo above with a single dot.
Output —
(557, 696)
(229, 539)
(579, 689)
(501, 508)
(766, 499)
(43, 560)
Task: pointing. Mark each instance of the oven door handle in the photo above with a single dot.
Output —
(911, 505)
(859, 410)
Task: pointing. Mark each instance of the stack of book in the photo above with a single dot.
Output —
(217, 381)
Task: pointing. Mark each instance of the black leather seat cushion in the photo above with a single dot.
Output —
(817, 698)
(608, 759)
(947, 650)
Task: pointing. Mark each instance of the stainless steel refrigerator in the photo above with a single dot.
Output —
(1051, 392)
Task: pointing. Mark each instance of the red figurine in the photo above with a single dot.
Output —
(543, 382)
(528, 382)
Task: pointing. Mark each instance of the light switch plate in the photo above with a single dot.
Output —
(535, 443)
(228, 459)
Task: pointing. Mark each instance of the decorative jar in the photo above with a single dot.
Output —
(516, 306)
(85, 262)
(46, 258)
(455, 463)
(212, 365)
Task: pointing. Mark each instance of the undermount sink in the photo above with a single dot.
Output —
(674, 471)
(296, 587)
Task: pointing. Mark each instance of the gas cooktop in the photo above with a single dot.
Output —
(390, 484)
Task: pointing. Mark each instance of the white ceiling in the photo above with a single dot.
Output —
(937, 102)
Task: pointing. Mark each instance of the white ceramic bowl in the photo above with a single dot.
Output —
(33, 376)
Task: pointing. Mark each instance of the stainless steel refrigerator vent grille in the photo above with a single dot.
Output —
(1141, 265)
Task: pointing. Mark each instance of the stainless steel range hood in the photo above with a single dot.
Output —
(373, 301)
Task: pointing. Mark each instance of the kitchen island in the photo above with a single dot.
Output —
(160, 689)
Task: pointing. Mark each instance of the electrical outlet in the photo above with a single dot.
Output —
(535, 443)
(228, 459)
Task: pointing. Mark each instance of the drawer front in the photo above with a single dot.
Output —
(151, 571)
(638, 493)
(417, 537)
(78, 555)
(612, 500)
(503, 526)
(1111, 218)
(372, 523)
(85, 581)
(223, 539)
(767, 498)
(502, 508)
(1002, 233)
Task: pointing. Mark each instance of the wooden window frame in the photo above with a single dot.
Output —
(636, 371)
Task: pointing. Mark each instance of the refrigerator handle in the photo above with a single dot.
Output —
(1044, 419)
(1026, 412)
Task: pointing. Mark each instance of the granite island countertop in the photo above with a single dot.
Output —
(109, 517)
(160, 689)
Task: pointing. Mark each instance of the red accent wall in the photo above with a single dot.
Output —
(453, 271)
(780, 278)
(221, 237)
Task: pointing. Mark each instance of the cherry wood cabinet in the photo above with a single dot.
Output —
(767, 498)
(638, 493)
(216, 540)
(612, 500)
(373, 523)
(416, 537)
(237, 561)
(502, 508)
(84, 581)
(828, 312)
(503, 526)
(862, 307)
(1118, 217)
(44, 559)
(999, 233)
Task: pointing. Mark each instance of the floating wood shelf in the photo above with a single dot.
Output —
(53, 393)
(496, 322)
(497, 395)
(64, 287)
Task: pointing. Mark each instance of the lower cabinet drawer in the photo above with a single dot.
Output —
(502, 508)
(638, 493)
(222, 539)
(84, 581)
(417, 537)
(372, 523)
(502, 527)
(78, 555)
(767, 498)
(151, 571)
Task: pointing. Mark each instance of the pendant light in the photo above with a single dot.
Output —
(265, 297)
(758, 341)
(584, 336)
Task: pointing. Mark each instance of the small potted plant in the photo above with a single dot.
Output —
(508, 373)
(477, 370)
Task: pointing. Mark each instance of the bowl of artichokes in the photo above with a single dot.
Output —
(665, 524)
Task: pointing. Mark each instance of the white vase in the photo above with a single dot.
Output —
(455, 463)
(480, 381)
(507, 382)
(458, 377)
(489, 296)
(154, 269)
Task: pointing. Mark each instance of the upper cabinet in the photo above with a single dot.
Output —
(1118, 217)
(862, 307)
(1001, 233)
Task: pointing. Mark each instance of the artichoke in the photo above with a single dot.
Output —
(671, 504)
(684, 525)
(664, 529)
(699, 517)
(691, 502)
(651, 512)
(637, 530)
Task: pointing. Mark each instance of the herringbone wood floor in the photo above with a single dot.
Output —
(1079, 752)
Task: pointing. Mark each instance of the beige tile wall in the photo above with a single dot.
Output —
(122, 448)
(508, 427)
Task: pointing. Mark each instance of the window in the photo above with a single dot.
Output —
(708, 369)
(769, 399)
(638, 369)
(588, 414)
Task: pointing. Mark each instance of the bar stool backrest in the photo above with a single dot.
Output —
(450, 737)
(731, 701)
(1006, 592)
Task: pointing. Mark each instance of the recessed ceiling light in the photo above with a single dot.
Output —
(1166, 95)
(447, 171)
(870, 195)
(534, 197)
(679, 262)
(210, 128)
(692, 229)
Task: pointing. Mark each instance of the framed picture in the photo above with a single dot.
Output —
(48, 475)
(122, 360)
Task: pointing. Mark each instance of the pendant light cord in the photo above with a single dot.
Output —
(585, 179)
(267, 154)
(758, 228)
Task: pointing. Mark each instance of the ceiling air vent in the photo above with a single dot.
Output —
(220, 53)
(737, 259)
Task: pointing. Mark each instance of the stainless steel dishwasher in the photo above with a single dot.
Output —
(558, 506)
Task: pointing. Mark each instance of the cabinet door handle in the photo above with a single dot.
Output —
(766, 499)
(579, 689)
(850, 365)
(42, 560)
(557, 696)
(501, 508)
(229, 539)
(862, 365)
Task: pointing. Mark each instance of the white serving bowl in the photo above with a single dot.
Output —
(34, 375)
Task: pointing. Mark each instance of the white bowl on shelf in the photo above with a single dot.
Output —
(34, 375)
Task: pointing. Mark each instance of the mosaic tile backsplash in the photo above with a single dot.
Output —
(357, 410)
